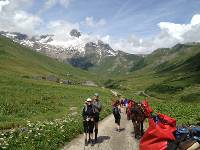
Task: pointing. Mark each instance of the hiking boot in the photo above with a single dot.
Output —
(92, 142)
(86, 142)
(89, 140)
(95, 140)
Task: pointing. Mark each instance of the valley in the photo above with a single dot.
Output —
(36, 89)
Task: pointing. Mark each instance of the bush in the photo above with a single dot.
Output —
(164, 89)
(112, 84)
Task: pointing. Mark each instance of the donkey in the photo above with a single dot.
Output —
(138, 115)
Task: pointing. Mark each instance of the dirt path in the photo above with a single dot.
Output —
(109, 138)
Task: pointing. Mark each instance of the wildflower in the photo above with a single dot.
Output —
(30, 131)
(23, 129)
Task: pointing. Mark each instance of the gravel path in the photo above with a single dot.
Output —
(109, 138)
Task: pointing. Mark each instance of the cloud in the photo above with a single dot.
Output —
(169, 35)
(13, 18)
(61, 29)
(51, 3)
(89, 21)
(3, 3)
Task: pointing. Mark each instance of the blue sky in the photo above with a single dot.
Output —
(123, 17)
(134, 26)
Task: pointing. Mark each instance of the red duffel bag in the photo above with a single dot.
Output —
(149, 110)
(159, 132)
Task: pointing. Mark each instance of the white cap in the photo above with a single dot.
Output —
(89, 100)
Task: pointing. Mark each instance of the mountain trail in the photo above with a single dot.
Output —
(108, 137)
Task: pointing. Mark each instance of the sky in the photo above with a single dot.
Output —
(133, 26)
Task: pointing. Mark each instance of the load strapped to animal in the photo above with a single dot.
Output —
(160, 131)
(163, 134)
(138, 112)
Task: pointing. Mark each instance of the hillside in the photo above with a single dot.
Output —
(35, 87)
(171, 77)
(24, 61)
(113, 66)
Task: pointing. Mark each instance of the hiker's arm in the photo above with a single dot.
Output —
(100, 106)
(96, 106)
(84, 113)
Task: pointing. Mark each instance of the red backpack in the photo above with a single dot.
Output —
(148, 109)
(160, 130)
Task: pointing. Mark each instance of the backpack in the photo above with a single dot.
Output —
(86, 109)
(116, 111)
(160, 131)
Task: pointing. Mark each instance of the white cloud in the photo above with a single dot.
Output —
(169, 35)
(61, 29)
(13, 18)
(89, 21)
(51, 3)
(65, 3)
(3, 3)
(195, 19)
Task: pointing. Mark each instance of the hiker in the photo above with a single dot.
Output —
(129, 107)
(88, 121)
(122, 103)
(97, 108)
(126, 104)
(116, 114)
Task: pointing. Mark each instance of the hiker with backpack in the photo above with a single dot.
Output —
(88, 121)
(116, 114)
(126, 104)
(97, 108)
(122, 103)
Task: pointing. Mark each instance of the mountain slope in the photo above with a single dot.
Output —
(121, 64)
(178, 66)
(30, 87)
(24, 61)
(167, 59)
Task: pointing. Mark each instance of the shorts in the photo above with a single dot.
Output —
(117, 119)
(96, 117)
(88, 126)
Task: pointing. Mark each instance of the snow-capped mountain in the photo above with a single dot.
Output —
(73, 47)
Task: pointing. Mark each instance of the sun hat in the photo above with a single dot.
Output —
(89, 100)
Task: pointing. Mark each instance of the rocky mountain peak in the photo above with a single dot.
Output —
(63, 50)
(75, 33)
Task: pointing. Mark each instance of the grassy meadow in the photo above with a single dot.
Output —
(36, 113)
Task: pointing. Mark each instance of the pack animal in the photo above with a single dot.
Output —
(138, 116)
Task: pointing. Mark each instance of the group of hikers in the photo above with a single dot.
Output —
(91, 111)
(162, 132)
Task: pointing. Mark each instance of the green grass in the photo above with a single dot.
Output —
(18, 60)
(173, 83)
(23, 99)
(53, 109)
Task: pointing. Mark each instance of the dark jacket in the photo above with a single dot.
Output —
(88, 112)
